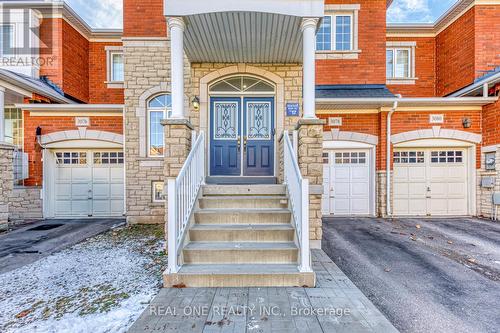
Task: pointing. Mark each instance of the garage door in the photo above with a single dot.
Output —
(89, 183)
(430, 182)
(346, 181)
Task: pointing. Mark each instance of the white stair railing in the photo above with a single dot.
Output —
(298, 192)
(182, 195)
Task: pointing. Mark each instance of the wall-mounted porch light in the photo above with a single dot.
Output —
(196, 103)
(466, 122)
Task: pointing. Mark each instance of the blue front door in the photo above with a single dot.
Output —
(242, 136)
(258, 133)
(225, 143)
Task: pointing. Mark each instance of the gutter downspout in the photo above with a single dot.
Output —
(388, 157)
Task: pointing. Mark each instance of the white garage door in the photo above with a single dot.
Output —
(89, 183)
(430, 182)
(346, 181)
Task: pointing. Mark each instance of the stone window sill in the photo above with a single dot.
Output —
(409, 80)
(115, 85)
(350, 54)
(151, 162)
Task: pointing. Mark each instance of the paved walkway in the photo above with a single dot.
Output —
(34, 241)
(335, 305)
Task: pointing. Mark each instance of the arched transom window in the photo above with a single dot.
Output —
(242, 84)
(159, 107)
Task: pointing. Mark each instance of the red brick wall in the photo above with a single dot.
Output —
(411, 121)
(375, 124)
(491, 124)
(487, 36)
(98, 90)
(370, 66)
(455, 55)
(425, 69)
(144, 18)
(75, 63)
(51, 50)
(55, 124)
(363, 122)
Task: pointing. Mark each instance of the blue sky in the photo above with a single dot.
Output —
(421, 11)
(108, 13)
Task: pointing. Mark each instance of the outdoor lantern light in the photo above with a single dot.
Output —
(196, 103)
(466, 122)
(38, 132)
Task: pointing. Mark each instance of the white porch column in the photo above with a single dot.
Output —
(176, 27)
(2, 114)
(309, 67)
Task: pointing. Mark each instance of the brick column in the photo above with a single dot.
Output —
(6, 182)
(310, 158)
(177, 147)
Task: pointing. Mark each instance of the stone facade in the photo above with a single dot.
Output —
(147, 72)
(310, 159)
(381, 192)
(25, 203)
(178, 136)
(484, 202)
(6, 183)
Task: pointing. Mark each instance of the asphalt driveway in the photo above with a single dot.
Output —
(40, 239)
(425, 275)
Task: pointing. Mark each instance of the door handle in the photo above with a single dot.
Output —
(245, 141)
(239, 143)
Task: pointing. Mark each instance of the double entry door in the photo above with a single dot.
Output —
(242, 136)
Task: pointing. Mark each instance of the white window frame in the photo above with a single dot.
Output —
(153, 197)
(334, 31)
(12, 40)
(167, 113)
(111, 51)
(395, 47)
(334, 11)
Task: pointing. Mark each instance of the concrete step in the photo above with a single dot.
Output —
(242, 216)
(239, 275)
(242, 233)
(240, 253)
(244, 202)
(243, 190)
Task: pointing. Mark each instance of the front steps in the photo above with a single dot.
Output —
(240, 236)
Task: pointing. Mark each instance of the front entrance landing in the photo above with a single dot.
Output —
(335, 305)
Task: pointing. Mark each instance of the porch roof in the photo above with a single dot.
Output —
(251, 31)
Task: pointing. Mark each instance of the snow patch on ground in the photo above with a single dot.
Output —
(100, 285)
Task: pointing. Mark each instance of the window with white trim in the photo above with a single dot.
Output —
(108, 157)
(6, 39)
(69, 158)
(115, 66)
(447, 156)
(400, 62)
(409, 157)
(117, 73)
(350, 158)
(14, 127)
(157, 192)
(337, 32)
(159, 107)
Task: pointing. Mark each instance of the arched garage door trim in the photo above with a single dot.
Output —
(445, 138)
